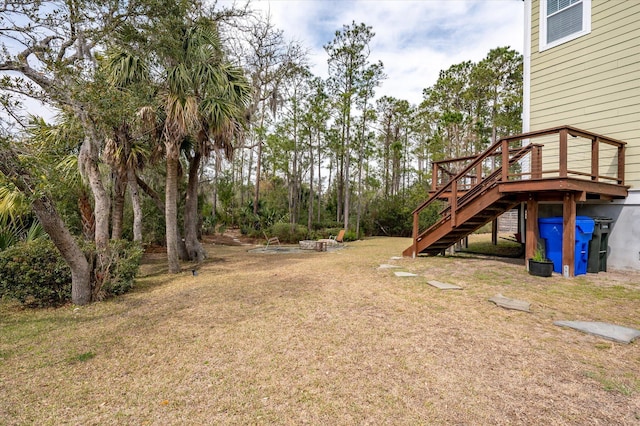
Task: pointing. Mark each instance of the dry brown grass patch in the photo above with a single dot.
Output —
(326, 338)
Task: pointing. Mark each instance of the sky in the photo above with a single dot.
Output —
(415, 39)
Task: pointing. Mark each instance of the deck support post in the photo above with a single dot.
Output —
(531, 237)
(494, 232)
(568, 234)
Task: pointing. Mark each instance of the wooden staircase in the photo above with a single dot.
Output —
(472, 208)
(580, 167)
(508, 173)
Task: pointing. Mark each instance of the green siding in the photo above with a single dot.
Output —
(593, 82)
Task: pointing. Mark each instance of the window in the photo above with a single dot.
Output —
(563, 20)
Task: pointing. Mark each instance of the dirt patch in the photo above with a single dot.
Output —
(328, 338)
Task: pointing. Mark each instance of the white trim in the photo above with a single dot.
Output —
(586, 26)
(526, 71)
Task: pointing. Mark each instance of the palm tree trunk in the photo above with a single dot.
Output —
(137, 207)
(171, 208)
(182, 251)
(119, 192)
(195, 251)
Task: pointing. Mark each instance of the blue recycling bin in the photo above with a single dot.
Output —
(551, 230)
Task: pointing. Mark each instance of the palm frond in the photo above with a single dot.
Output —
(124, 69)
(68, 166)
(34, 232)
(13, 203)
(182, 115)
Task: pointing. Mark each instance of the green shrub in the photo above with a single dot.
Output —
(286, 235)
(350, 236)
(35, 274)
(124, 259)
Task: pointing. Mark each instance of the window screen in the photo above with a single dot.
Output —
(564, 17)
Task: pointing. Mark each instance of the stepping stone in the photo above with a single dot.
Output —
(387, 266)
(613, 332)
(505, 302)
(405, 274)
(443, 286)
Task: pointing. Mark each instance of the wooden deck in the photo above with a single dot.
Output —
(578, 166)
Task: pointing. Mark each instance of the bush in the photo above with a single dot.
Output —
(35, 274)
(285, 234)
(350, 236)
(393, 216)
(124, 259)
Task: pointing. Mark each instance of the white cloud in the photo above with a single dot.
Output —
(414, 39)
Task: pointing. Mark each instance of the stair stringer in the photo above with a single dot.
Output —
(474, 209)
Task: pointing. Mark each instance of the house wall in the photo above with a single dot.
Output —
(593, 83)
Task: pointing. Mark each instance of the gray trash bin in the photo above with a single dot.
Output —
(599, 244)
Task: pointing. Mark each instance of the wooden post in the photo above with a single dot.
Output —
(531, 236)
(414, 234)
(563, 152)
(478, 173)
(434, 177)
(505, 160)
(453, 203)
(595, 159)
(494, 232)
(568, 235)
(536, 162)
(621, 165)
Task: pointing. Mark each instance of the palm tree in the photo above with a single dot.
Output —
(205, 100)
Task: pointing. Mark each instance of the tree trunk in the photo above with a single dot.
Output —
(88, 162)
(347, 182)
(319, 161)
(256, 197)
(119, 170)
(216, 174)
(53, 225)
(182, 251)
(86, 216)
(119, 192)
(310, 206)
(195, 251)
(171, 208)
(137, 207)
(68, 248)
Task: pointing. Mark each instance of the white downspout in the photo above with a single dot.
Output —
(526, 100)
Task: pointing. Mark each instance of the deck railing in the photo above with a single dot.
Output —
(524, 162)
